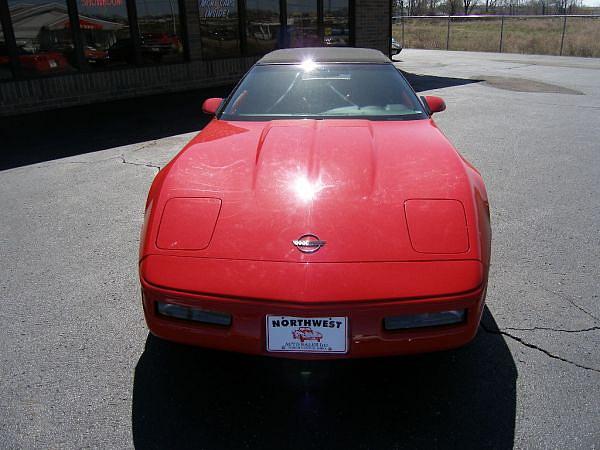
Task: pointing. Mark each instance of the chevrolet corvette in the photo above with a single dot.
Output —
(320, 201)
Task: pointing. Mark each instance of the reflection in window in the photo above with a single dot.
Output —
(302, 24)
(5, 72)
(160, 31)
(43, 36)
(262, 26)
(105, 29)
(219, 28)
(336, 29)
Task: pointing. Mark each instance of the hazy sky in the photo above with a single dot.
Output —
(591, 2)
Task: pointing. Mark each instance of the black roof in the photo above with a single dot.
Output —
(325, 54)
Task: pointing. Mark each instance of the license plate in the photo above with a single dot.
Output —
(52, 63)
(307, 334)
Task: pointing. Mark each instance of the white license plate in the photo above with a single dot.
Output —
(307, 334)
(52, 63)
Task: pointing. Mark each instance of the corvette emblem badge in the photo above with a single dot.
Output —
(308, 243)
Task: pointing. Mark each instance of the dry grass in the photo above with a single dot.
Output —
(521, 35)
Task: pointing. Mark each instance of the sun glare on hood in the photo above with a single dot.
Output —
(305, 189)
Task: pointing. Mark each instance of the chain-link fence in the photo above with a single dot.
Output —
(572, 35)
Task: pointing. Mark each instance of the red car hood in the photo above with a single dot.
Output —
(346, 181)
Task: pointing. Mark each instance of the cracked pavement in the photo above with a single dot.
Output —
(78, 369)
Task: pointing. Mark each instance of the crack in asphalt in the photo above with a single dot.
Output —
(583, 330)
(142, 164)
(120, 158)
(570, 300)
(65, 163)
(535, 347)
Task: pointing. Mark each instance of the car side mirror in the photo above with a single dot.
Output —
(211, 105)
(435, 104)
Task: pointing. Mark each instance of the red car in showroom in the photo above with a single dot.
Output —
(320, 195)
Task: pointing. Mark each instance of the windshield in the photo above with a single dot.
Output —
(284, 91)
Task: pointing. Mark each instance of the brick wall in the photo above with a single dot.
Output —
(372, 24)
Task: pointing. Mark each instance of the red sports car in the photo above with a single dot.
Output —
(321, 195)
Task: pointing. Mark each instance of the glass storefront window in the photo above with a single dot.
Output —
(262, 26)
(5, 72)
(219, 30)
(45, 46)
(43, 36)
(336, 27)
(160, 31)
(105, 29)
(302, 24)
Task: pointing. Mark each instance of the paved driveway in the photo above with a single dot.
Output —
(78, 368)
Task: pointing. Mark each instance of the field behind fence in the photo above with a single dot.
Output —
(545, 35)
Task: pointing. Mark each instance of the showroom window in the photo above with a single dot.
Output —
(160, 31)
(46, 44)
(336, 25)
(219, 28)
(302, 23)
(272, 24)
(262, 26)
(105, 30)
(43, 37)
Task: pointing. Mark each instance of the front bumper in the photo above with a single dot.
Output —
(367, 336)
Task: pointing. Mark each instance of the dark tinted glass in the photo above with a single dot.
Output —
(219, 28)
(160, 31)
(336, 28)
(302, 24)
(5, 72)
(262, 26)
(43, 36)
(105, 28)
(320, 91)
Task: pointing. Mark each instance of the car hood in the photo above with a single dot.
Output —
(346, 181)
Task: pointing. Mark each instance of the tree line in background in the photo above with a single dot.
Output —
(508, 7)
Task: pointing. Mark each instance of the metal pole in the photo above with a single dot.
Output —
(562, 38)
(10, 40)
(76, 35)
(448, 34)
(402, 21)
(501, 31)
(241, 10)
(134, 32)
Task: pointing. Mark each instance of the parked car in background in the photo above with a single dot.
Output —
(37, 64)
(396, 47)
(154, 48)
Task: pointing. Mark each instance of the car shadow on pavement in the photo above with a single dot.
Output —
(185, 397)
(422, 83)
(49, 135)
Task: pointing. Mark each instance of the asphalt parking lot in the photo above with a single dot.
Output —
(79, 369)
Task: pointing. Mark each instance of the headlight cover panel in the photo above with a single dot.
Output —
(188, 223)
(437, 226)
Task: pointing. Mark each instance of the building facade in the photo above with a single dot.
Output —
(58, 53)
